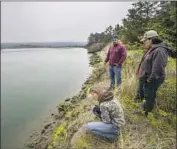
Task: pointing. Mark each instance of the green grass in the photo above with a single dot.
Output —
(157, 131)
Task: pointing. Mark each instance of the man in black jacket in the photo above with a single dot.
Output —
(151, 71)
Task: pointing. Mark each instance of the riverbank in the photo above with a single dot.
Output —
(156, 131)
(41, 139)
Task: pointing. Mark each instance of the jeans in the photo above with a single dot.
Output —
(150, 89)
(115, 73)
(108, 131)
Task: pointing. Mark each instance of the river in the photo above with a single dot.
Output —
(33, 81)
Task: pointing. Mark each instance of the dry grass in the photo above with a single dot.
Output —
(139, 133)
(154, 132)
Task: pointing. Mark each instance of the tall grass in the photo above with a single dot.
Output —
(158, 130)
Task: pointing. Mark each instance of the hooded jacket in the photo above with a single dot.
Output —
(111, 110)
(154, 63)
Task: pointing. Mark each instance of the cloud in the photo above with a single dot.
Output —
(58, 21)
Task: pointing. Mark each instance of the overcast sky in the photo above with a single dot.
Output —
(58, 21)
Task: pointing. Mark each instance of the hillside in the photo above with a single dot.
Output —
(157, 131)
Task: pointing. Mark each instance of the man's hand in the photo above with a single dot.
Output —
(96, 111)
(117, 65)
(148, 80)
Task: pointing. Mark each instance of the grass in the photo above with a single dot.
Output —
(157, 131)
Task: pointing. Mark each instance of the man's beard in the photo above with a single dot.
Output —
(115, 44)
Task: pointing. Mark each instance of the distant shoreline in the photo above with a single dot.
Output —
(43, 45)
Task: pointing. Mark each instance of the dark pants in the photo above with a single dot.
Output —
(115, 74)
(150, 89)
(140, 90)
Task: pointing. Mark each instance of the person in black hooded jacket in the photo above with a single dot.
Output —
(151, 70)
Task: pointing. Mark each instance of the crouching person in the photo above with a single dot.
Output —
(110, 112)
(111, 116)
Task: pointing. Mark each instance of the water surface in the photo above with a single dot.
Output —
(32, 82)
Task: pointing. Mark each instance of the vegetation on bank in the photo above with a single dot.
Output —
(157, 131)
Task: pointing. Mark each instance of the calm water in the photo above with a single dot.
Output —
(32, 82)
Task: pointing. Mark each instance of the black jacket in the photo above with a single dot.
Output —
(153, 65)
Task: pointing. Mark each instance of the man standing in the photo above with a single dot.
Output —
(151, 71)
(116, 56)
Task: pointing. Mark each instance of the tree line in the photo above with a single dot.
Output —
(143, 16)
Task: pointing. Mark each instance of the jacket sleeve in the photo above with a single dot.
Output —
(105, 117)
(107, 57)
(159, 61)
(123, 55)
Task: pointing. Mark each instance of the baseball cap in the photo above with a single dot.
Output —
(149, 34)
